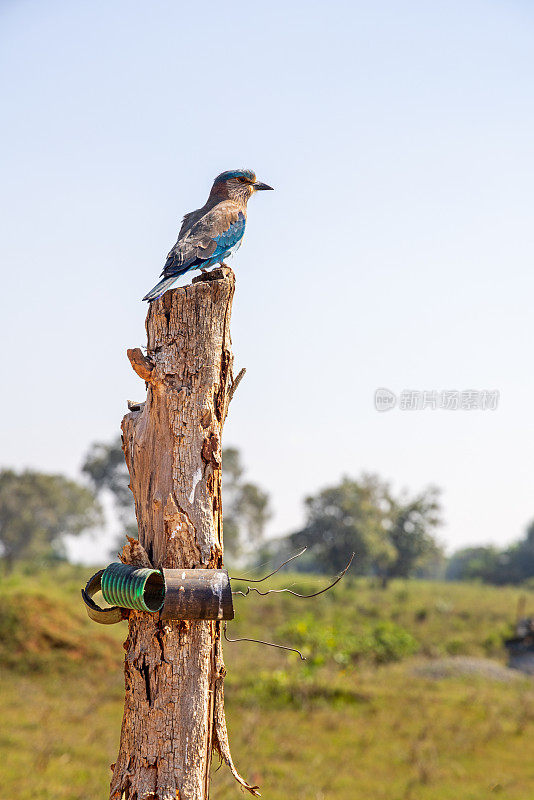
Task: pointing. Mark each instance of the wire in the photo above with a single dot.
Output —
(296, 594)
(260, 580)
(259, 641)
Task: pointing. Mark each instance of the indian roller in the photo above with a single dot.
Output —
(211, 233)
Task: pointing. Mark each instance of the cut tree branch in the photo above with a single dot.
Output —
(174, 703)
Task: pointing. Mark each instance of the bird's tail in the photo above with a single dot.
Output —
(160, 288)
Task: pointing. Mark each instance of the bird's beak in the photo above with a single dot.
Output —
(259, 187)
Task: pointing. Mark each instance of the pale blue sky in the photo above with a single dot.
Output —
(396, 250)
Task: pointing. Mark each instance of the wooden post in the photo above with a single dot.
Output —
(174, 704)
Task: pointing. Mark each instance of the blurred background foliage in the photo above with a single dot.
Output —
(405, 684)
(393, 536)
(37, 511)
(398, 697)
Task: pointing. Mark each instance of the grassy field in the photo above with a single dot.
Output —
(381, 710)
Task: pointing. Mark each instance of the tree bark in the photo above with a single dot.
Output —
(174, 704)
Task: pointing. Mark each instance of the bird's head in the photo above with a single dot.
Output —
(237, 184)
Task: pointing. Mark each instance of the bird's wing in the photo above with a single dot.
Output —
(219, 229)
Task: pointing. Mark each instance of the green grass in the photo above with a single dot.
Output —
(354, 722)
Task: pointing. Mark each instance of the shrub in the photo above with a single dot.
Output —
(380, 643)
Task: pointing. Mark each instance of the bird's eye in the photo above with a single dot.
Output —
(242, 180)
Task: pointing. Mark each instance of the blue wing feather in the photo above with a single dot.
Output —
(213, 237)
(229, 239)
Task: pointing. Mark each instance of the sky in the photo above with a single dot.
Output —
(396, 251)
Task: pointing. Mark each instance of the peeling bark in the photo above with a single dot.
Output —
(174, 703)
(140, 363)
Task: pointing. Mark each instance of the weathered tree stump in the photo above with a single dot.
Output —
(174, 705)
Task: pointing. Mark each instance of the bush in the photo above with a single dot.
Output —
(390, 642)
(379, 643)
(456, 647)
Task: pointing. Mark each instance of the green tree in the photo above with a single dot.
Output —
(345, 518)
(411, 524)
(37, 510)
(106, 469)
(246, 508)
(513, 565)
(517, 562)
(232, 473)
(390, 536)
(232, 469)
(475, 563)
(254, 512)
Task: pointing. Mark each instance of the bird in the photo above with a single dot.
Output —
(211, 233)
